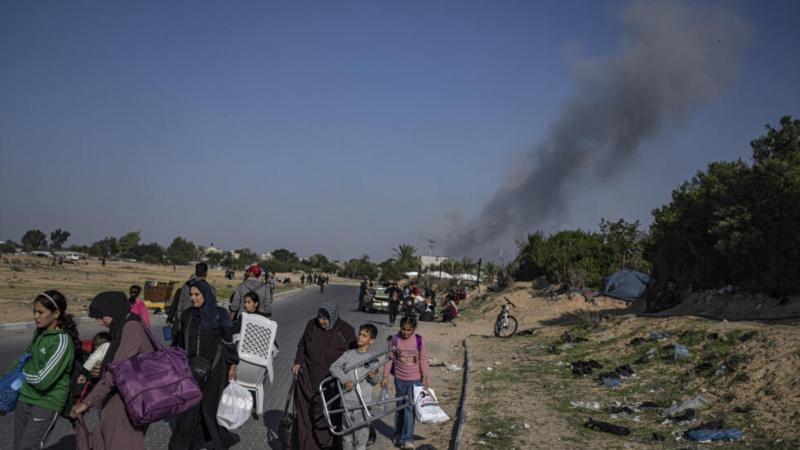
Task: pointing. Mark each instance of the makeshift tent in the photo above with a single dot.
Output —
(626, 284)
(466, 277)
(411, 274)
(440, 274)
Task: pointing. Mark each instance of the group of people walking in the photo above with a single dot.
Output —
(67, 377)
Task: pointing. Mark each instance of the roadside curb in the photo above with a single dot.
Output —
(461, 414)
(25, 325)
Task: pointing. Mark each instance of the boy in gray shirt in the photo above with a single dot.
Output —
(357, 440)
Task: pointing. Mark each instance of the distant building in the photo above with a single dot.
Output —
(211, 249)
(431, 261)
(265, 256)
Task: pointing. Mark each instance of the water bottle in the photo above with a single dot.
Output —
(381, 408)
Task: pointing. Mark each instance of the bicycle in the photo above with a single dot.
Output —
(506, 324)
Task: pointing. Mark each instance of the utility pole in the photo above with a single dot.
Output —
(480, 261)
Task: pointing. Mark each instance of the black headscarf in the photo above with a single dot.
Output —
(210, 318)
(115, 305)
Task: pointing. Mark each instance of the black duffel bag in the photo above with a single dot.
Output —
(286, 427)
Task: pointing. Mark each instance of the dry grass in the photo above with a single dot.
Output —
(21, 278)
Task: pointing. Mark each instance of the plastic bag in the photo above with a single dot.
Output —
(10, 385)
(381, 408)
(235, 406)
(426, 406)
(681, 352)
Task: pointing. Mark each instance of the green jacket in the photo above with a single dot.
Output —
(48, 371)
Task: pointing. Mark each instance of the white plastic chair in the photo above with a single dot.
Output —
(256, 341)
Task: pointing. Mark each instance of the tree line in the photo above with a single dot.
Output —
(732, 223)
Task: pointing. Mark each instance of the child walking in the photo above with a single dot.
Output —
(357, 440)
(47, 372)
(409, 365)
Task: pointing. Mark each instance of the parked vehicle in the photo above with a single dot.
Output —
(376, 300)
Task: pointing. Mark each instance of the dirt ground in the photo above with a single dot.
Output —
(521, 388)
(23, 277)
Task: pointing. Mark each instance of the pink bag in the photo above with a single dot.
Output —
(156, 385)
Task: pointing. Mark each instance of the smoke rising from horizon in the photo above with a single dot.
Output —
(672, 59)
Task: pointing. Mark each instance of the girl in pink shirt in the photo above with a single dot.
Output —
(137, 305)
(409, 365)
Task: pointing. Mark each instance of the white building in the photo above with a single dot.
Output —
(211, 249)
(265, 256)
(431, 261)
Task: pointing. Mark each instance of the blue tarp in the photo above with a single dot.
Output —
(626, 284)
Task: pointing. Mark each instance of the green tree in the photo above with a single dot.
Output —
(735, 223)
(490, 270)
(318, 261)
(468, 265)
(34, 240)
(8, 246)
(282, 254)
(128, 241)
(58, 238)
(151, 253)
(181, 251)
(359, 268)
(623, 237)
(104, 248)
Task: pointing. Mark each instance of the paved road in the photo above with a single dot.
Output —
(292, 311)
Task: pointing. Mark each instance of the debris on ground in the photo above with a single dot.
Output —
(581, 367)
(453, 368)
(695, 403)
(606, 427)
(686, 416)
(681, 352)
(713, 431)
(580, 404)
(658, 335)
(610, 379)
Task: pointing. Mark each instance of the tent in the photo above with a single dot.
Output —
(440, 274)
(411, 274)
(626, 284)
(466, 277)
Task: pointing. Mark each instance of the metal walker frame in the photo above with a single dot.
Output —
(348, 426)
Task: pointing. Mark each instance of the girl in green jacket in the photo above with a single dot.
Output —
(47, 372)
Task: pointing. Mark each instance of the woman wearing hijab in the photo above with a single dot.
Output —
(205, 332)
(128, 339)
(324, 340)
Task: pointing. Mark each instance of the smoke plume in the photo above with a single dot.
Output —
(672, 58)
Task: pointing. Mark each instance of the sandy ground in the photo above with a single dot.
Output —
(772, 360)
(21, 278)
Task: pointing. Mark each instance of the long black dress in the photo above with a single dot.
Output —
(198, 428)
(316, 351)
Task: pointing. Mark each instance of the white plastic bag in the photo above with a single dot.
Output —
(426, 406)
(235, 406)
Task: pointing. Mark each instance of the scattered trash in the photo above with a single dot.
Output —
(637, 341)
(687, 416)
(497, 363)
(481, 442)
(618, 409)
(585, 367)
(703, 434)
(743, 409)
(528, 332)
(698, 402)
(658, 335)
(722, 371)
(659, 437)
(747, 336)
(704, 368)
(490, 435)
(681, 352)
(606, 427)
(649, 404)
(526, 425)
(567, 346)
(591, 406)
(489, 369)
(453, 368)
(624, 371)
(610, 379)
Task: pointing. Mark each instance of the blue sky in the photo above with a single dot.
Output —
(336, 127)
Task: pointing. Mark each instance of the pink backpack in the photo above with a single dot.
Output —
(156, 385)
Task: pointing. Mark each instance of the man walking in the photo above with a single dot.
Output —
(252, 283)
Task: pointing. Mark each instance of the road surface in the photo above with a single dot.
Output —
(292, 311)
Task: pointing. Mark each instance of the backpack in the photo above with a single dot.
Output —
(394, 344)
